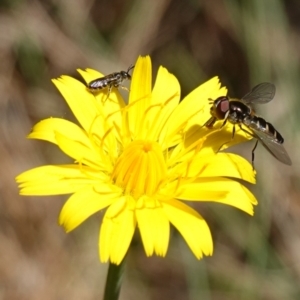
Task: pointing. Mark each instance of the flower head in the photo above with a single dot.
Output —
(140, 161)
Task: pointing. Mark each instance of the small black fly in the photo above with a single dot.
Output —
(109, 81)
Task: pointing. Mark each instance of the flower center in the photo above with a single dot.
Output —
(140, 169)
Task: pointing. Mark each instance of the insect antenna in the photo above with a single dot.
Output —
(130, 68)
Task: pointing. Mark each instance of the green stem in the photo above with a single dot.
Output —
(114, 281)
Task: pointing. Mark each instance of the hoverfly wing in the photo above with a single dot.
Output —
(270, 143)
(261, 93)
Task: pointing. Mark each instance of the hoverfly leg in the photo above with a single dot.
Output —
(254, 154)
(232, 136)
(224, 123)
(233, 132)
(248, 132)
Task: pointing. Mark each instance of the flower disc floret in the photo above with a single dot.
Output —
(140, 169)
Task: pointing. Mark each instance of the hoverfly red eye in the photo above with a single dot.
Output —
(221, 107)
(224, 104)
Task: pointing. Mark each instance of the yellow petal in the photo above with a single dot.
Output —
(219, 138)
(190, 111)
(235, 194)
(140, 93)
(47, 129)
(191, 225)
(85, 203)
(82, 103)
(206, 142)
(165, 98)
(154, 228)
(100, 131)
(116, 232)
(221, 164)
(55, 180)
(201, 96)
(89, 74)
(81, 152)
(187, 150)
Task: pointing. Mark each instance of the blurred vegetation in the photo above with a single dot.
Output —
(244, 43)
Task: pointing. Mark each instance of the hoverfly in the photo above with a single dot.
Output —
(240, 112)
(112, 80)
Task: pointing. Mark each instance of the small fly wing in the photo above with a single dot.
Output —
(102, 82)
(270, 143)
(98, 83)
(261, 93)
(95, 84)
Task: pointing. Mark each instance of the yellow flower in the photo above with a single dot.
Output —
(141, 161)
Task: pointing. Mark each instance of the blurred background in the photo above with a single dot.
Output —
(244, 43)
